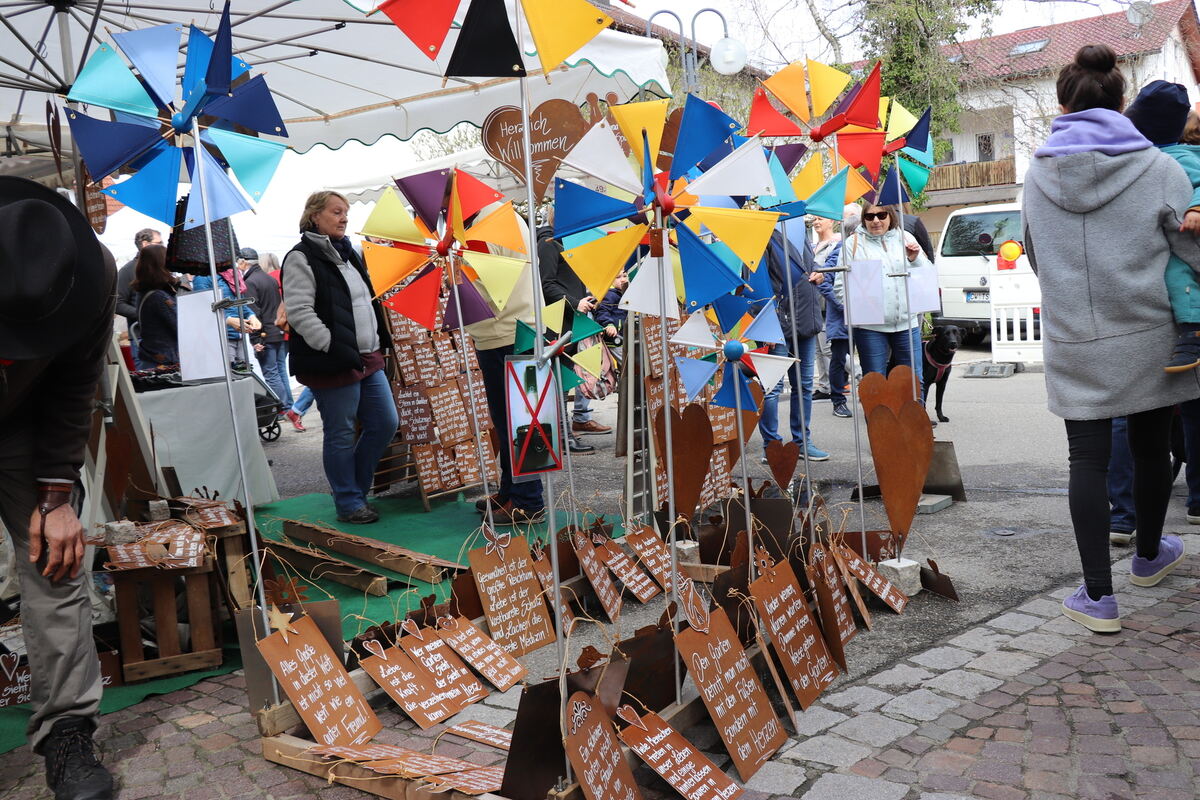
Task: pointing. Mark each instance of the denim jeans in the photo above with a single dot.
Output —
(582, 412)
(801, 378)
(526, 493)
(839, 349)
(285, 376)
(350, 458)
(302, 403)
(874, 349)
(1190, 413)
(270, 358)
(1120, 479)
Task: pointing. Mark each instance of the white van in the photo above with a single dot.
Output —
(966, 265)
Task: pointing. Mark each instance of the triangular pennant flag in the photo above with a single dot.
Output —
(645, 290)
(720, 151)
(154, 52)
(770, 369)
(486, 47)
(498, 274)
(695, 375)
(590, 359)
(788, 85)
(705, 276)
(864, 110)
(830, 199)
(704, 127)
(766, 120)
(650, 116)
(153, 188)
(784, 193)
(107, 146)
(253, 160)
(892, 193)
(826, 84)
(883, 115)
(387, 266)
(426, 193)
(419, 300)
(695, 332)
(915, 175)
(918, 137)
(745, 232)
(473, 194)
(525, 338)
(900, 122)
(561, 27)
(568, 379)
(862, 150)
(759, 282)
(599, 154)
(425, 22)
(848, 98)
(106, 81)
(251, 106)
(766, 327)
(923, 156)
(552, 315)
(733, 380)
(474, 307)
(224, 198)
(218, 78)
(502, 228)
(199, 53)
(578, 208)
(789, 154)
(598, 263)
(743, 172)
(583, 326)
(730, 309)
(856, 185)
(574, 240)
(391, 220)
(811, 176)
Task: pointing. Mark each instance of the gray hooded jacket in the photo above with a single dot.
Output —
(1099, 230)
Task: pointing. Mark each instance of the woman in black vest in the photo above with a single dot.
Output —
(336, 349)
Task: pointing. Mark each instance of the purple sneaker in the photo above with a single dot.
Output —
(1151, 571)
(1100, 615)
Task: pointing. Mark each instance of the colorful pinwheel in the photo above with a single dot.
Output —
(153, 114)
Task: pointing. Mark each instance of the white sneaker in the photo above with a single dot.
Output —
(1120, 537)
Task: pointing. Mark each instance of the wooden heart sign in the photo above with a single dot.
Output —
(691, 436)
(782, 459)
(555, 127)
(902, 448)
(893, 391)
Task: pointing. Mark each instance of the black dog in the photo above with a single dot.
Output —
(939, 355)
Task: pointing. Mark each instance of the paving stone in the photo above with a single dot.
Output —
(501, 717)
(942, 658)
(1003, 663)
(858, 698)
(510, 699)
(962, 683)
(816, 719)
(900, 675)
(984, 640)
(1063, 593)
(826, 749)
(1014, 622)
(834, 786)
(1041, 607)
(775, 777)
(920, 704)
(1047, 644)
(873, 729)
(942, 796)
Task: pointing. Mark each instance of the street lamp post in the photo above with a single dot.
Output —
(727, 56)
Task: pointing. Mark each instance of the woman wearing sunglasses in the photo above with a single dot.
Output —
(881, 246)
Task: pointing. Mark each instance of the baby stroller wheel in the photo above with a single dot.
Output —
(271, 432)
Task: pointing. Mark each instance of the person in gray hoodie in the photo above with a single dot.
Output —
(1102, 210)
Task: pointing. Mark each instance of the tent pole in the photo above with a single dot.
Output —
(219, 316)
(68, 62)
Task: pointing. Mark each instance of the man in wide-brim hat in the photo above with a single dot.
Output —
(57, 293)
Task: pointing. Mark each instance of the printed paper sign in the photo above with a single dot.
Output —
(865, 282)
(534, 439)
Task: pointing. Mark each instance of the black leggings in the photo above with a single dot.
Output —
(1089, 443)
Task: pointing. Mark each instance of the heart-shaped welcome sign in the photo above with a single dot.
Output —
(555, 127)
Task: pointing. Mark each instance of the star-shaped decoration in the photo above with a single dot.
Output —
(282, 622)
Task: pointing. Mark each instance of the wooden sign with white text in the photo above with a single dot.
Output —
(595, 753)
(674, 758)
(510, 593)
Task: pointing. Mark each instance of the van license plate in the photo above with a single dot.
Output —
(979, 297)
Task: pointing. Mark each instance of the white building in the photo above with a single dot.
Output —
(1008, 91)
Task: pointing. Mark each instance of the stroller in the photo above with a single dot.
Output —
(266, 406)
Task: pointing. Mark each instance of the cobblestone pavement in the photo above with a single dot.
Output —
(1025, 705)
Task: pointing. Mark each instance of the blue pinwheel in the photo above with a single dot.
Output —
(152, 115)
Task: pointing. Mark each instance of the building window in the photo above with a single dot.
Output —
(1029, 47)
(985, 146)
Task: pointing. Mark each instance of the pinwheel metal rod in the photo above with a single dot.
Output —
(219, 316)
(737, 406)
(787, 271)
(906, 274)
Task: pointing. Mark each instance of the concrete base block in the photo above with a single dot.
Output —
(120, 532)
(688, 552)
(933, 503)
(160, 511)
(904, 574)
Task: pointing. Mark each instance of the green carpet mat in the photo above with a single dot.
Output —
(14, 718)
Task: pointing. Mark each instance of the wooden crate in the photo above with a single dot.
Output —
(201, 601)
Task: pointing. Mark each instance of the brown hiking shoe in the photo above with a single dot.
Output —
(591, 427)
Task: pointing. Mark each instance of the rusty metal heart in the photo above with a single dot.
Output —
(902, 448)
(691, 435)
(630, 715)
(782, 458)
(892, 391)
(374, 647)
(556, 127)
(9, 663)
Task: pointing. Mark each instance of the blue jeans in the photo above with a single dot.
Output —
(874, 349)
(583, 408)
(801, 378)
(300, 406)
(1190, 413)
(350, 458)
(525, 494)
(1120, 479)
(270, 358)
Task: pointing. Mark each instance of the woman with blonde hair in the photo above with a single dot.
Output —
(338, 336)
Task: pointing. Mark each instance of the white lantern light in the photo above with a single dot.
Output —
(728, 56)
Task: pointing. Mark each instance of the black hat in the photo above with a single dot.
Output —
(248, 254)
(52, 271)
(1160, 111)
